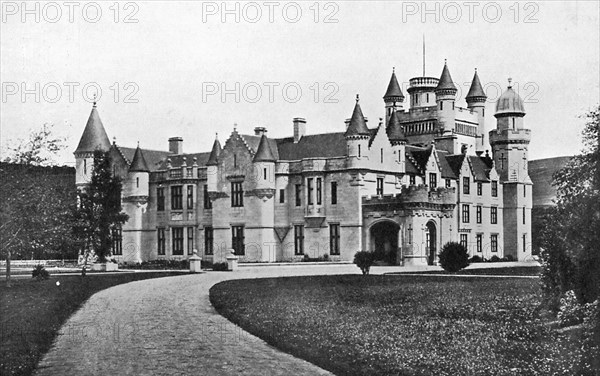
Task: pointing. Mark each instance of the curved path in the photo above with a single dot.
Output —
(167, 326)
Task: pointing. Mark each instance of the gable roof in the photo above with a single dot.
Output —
(327, 145)
(153, 158)
(447, 171)
(481, 172)
(455, 161)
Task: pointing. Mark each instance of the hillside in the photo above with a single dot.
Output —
(540, 172)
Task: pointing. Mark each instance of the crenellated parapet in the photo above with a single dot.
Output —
(413, 197)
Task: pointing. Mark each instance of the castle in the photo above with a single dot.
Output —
(403, 188)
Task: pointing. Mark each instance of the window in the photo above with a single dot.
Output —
(412, 180)
(381, 155)
(137, 182)
(464, 240)
(448, 183)
(333, 193)
(264, 174)
(359, 151)
(479, 188)
(234, 161)
(478, 213)
(190, 196)
(334, 238)
(379, 186)
(85, 166)
(494, 188)
(524, 214)
(208, 241)
(161, 241)
(282, 196)
(494, 242)
(190, 240)
(524, 243)
(189, 172)
(177, 233)
(310, 189)
(524, 191)
(176, 197)
(206, 198)
(466, 185)
(465, 213)
(410, 235)
(432, 181)
(427, 97)
(237, 194)
(319, 191)
(298, 195)
(298, 240)
(494, 215)
(441, 105)
(160, 199)
(175, 174)
(479, 243)
(117, 241)
(237, 240)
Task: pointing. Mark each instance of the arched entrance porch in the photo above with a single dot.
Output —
(384, 241)
(431, 242)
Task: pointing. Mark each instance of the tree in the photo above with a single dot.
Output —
(571, 241)
(99, 210)
(454, 257)
(364, 260)
(39, 149)
(33, 209)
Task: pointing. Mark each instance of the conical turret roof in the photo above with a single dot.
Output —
(358, 125)
(393, 91)
(395, 131)
(94, 136)
(139, 162)
(476, 90)
(215, 153)
(445, 82)
(264, 152)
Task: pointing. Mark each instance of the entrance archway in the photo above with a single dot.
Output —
(384, 241)
(431, 243)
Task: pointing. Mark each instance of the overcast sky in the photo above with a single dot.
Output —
(163, 66)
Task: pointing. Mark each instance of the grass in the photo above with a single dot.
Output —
(510, 271)
(403, 325)
(31, 313)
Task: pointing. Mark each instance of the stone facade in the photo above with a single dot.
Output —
(418, 179)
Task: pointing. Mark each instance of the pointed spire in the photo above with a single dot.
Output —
(358, 125)
(264, 152)
(139, 162)
(394, 129)
(476, 91)
(94, 136)
(446, 82)
(215, 153)
(393, 92)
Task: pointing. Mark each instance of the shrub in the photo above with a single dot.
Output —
(364, 260)
(219, 266)
(326, 257)
(40, 273)
(494, 258)
(509, 258)
(475, 259)
(454, 257)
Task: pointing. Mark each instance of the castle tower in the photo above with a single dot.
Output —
(135, 202)
(357, 138)
(476, 102)
(93, 138)
(393, 97)
(445, 95)
(264, 164)
(510, 152)
(212, 165)
(397, 137)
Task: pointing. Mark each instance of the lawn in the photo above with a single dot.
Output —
(403, 325)
(31, 313)
(512, 270)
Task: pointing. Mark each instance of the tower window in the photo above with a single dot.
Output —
(359, 151)
(524, 214)
(441, 105)
(524, 243)
(381, 155)
(282, 196)
(333, 193)
(264, 173)
(137, 182)
(427, 96)
(513, 123)
(298, 194)
(309, 188)
(319, 191)
(234, 161)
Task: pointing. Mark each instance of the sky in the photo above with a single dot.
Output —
(192, 69)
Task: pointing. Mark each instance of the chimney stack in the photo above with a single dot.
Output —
(259, 131)
(299, 128)
(176, 145)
